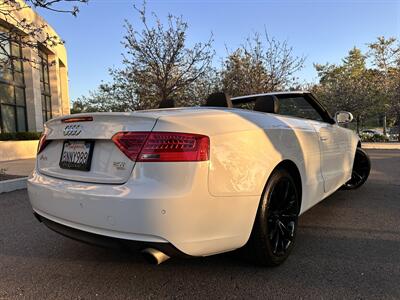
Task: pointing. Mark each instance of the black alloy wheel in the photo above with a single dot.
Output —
(282, 216)
(275, 227)
(360, 172)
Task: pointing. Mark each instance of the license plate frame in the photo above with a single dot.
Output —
(84, 162)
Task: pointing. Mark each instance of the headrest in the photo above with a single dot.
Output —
(268, 104)
(167, 103)
(219, 100)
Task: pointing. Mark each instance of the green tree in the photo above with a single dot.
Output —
(354, 63)
(349, 86)
(117, 95)
(385, 55)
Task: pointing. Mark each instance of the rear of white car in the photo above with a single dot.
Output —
(199, 180)
(127, 176)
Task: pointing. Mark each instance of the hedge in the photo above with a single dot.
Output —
(19, 136)
(376, 138)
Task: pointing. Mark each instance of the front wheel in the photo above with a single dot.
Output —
(360, 172)
(275, 227)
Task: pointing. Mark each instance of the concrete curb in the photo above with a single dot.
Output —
(383, 146)
(13, 185)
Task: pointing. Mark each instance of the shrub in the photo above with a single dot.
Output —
(376, 138)
(19, 136)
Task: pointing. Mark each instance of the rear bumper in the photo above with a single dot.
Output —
(182, 214)
(108, 242)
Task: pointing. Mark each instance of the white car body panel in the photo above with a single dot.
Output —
(202, 208)
(337, 154)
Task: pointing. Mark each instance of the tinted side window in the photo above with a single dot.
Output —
(298, 107)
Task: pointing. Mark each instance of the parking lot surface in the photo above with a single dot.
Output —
(348, 246)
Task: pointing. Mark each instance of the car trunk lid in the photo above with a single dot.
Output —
(73, 135)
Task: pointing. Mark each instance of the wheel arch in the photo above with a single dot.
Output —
(293, 170)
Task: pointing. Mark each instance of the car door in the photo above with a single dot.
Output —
(334, 146)
(332, 140)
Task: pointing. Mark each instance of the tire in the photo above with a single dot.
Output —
(274, 230)
(360, 172)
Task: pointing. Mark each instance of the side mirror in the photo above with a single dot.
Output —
(343, 117)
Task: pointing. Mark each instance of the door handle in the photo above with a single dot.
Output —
(323, 139)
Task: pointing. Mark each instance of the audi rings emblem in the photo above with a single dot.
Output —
(72, 130)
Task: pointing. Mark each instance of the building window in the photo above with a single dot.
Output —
(12, 86)
(45, 86)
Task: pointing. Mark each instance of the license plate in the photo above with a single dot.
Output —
(77, 155)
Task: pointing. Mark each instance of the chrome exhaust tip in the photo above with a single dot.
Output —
(154, 256)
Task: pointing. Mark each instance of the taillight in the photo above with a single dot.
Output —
(171, 146)
(42, 143)
(130, 143)
(163, 146)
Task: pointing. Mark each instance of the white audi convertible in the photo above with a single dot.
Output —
(195, 181)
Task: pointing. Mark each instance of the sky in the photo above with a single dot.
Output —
(322, 31)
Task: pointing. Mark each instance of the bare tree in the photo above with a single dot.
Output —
(197, 92)
(262, 64)
(157, 65)
(158, 61)
(243, 72)
(23, 31)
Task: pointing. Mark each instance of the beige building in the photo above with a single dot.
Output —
(34, 89)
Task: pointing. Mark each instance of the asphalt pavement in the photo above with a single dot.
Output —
(348, 246)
